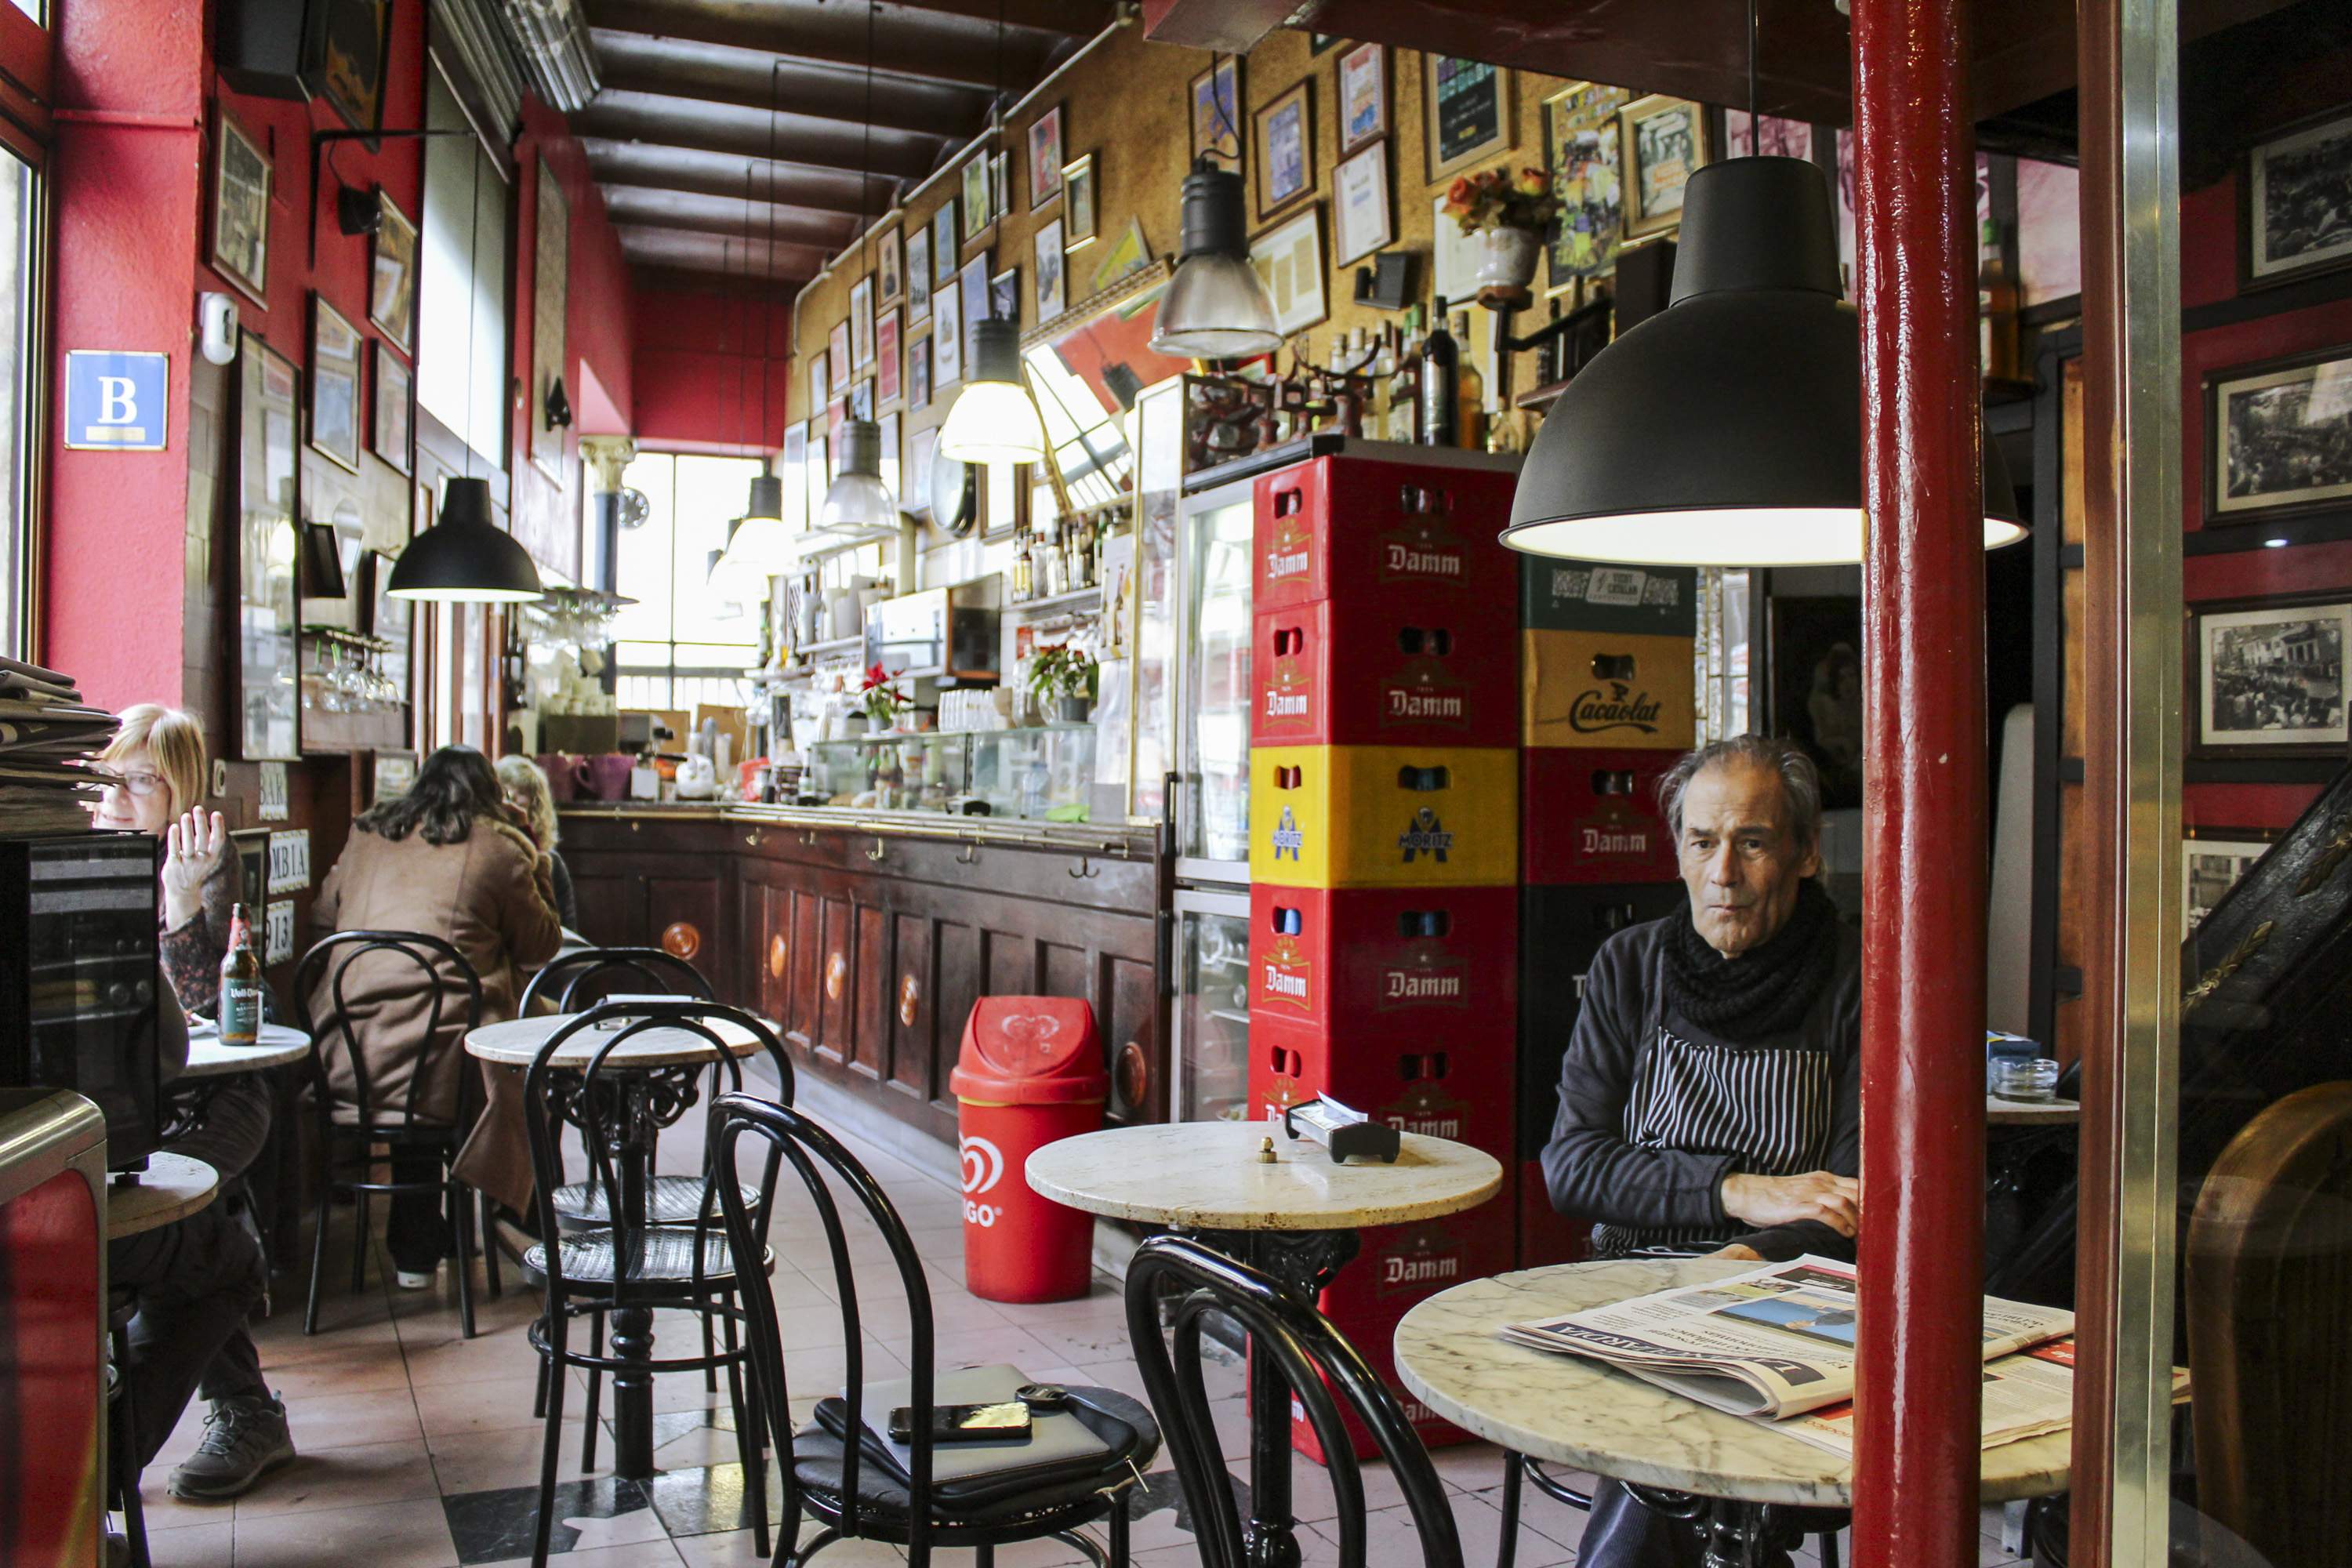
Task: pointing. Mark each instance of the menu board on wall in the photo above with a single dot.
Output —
(1469, 113)
(268, 665)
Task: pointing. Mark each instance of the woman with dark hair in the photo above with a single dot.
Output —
(451, 859)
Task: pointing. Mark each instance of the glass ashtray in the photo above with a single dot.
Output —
(2019, 1078)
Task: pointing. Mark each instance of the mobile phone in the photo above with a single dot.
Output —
(965, 1423)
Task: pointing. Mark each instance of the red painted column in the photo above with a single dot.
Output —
(1923, 998)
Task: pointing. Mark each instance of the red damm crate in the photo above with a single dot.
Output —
(1375, 1338)
(1398, 1265)
(1416, 538)
(1339, 673)
(1592, 815)
(1443, 959)
(1430, 1083)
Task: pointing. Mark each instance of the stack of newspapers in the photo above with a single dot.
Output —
(1776, 1345)
(47, 737)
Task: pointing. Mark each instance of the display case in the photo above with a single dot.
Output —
(1035, 774)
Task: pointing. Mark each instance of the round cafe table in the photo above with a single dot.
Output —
(2000, 1112)
(657, 1068)
(171, 1188)
(275, 1046)
(1295, 1218)
(1746, 1485)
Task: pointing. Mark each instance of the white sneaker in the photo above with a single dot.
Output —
(410, 1279)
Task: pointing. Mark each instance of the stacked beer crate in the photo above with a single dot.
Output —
(1610, 698)
(1384, 839)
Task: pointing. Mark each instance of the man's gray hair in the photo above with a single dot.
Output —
(1800, 781)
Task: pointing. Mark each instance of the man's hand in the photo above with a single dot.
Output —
(193, 849)
(1738, 1253)
(1764, 1201)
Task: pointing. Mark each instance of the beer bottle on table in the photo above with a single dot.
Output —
(240, 985)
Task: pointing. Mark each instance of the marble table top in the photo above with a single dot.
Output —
(1578, 1413)
(174, 1186)
(516, 1043)
(2000, 1112)
(1207, 1175)
(277, 1046)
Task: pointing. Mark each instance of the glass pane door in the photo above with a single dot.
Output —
(1212, 1007)
(1214, 824)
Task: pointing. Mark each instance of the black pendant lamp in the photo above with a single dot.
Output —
(465, 558)
(1727, 429)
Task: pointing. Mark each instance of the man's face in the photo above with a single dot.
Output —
(1739, 855)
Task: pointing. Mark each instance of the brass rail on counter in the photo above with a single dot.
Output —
(1138, 844)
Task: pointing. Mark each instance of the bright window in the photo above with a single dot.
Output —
(461, 374)
(19, 229)
(683, 642)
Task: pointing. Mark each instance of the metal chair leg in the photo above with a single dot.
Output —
(1118, 1504)
(1513, 1480)
(539, 1400)
(359, 1240)
(710, 1356)
(552, 1447)
(126, 1469)
(1829, 1548)
(747, 1443)
(457, 1229)
(487, 1231)
(317, 1255)
(596, 1388)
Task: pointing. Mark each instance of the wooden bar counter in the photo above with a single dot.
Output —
(869, 934)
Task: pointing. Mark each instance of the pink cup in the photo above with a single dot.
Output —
(607, 777)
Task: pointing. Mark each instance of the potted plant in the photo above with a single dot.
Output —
(1510, 212)
(1064, 676)
(882, 701)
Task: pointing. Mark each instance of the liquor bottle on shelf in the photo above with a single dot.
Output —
(1470, 390)
(1025, 572)
(240, 985)
(1997, 300)
(1382, 371)
(1440, 367)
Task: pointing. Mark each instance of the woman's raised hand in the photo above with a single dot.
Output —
(193, 848)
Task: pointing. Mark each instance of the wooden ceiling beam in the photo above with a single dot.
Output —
(781, 139)
(692, 250)
(728, 213)
(743, 78)
(923, 48)
(666, 168)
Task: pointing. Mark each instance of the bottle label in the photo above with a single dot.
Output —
(240, 1012)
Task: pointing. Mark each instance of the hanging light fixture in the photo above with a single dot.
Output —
(994, 419)
(465, 558)
(1216, 306)
(858, 502)
(1727, 429)
(759, 541)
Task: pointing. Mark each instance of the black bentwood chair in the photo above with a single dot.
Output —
(634, 1265)
(370, 966)
(836, 1469)
(1316, 1360)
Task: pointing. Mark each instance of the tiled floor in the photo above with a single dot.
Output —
(419, 1448)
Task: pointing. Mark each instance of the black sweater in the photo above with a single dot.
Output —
(1649, 1106)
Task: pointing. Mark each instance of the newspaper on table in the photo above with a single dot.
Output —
(1777, 1344)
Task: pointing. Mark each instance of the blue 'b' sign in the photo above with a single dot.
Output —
(117, 401)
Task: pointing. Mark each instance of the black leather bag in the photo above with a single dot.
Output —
(1125, 1426)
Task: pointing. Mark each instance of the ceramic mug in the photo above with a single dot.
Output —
(608, 775)
(567, 775)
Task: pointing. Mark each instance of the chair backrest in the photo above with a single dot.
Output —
(1324, 1370)
(824, 1168)
(613, 1103)
(372, 966)
(2270, 1343)
(574, 980)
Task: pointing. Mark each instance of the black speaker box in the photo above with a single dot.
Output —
(261, 46)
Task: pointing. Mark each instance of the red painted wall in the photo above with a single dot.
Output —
(696, 387)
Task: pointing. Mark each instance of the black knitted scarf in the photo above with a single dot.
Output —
(1765, 990)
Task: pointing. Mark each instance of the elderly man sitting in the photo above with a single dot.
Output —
(1709, 1099)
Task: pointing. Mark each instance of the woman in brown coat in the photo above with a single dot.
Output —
(448, 859)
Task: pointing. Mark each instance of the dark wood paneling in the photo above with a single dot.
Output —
(871, 982)
(912, 1009)
(1130, 1018)
(801, 1008)
(1068, 973)
(964, 980)
(838, 972)
(1011, 961)
(611, 908)
(683, 914)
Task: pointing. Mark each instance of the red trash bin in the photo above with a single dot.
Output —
(1030, 1073)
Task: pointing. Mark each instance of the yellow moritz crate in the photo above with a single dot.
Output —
(1384, 817)
(1613, 690)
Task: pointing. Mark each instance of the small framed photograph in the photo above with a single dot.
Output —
(1078, 203)
(861, 324)
(1000, 182)
(1004, 295)
(838, 347)
(1289, 258)
(820, 380)
(1286, 150)
(979, 210)
(1363, 97)
(887, 359)
(1361, 218)
(391, 290)
(1467, 105)
(889, 274)
(1052, 279)
(2278, 438)
(393, 435)
(2266, 675)
(918, 375)
(1585, 155)
(1665, 144)
(241, 209)
(2294, 194)
(946, 336)
(972, 282)
(1045, 158)
(334, 383)
(2211, 862)
(1216, 99)
(352, 41)
(943, 244)
(918, 277)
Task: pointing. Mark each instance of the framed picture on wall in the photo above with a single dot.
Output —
(2278, 438)
(887, 360)
(1289, 258)
(919, 276)
(2266, 675)
(2296, 196)
(1665, 144)
(1051, 277)
(1286, 150)
(1046, 157)
(334, 385)
(943, 244)
(819, 381)
(1363, 97)
(350, 56)
(2211, 862)
(1004, 296)
(389, 618)
(946, 336)
(861, 324)
(1216, 102)
(240, 208)
(1585, 155)
(837, 350)
(1078, 203)
(270, 418)
(1361, 220)
(393, 434)
(889, 274)
(972, 284)
(918, 375)
(1466, 107)
(979, 211)
(391, 284)
(1000, 182)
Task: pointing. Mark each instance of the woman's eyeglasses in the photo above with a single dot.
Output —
(139, 784)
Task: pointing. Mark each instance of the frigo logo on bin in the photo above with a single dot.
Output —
(983, 1167)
